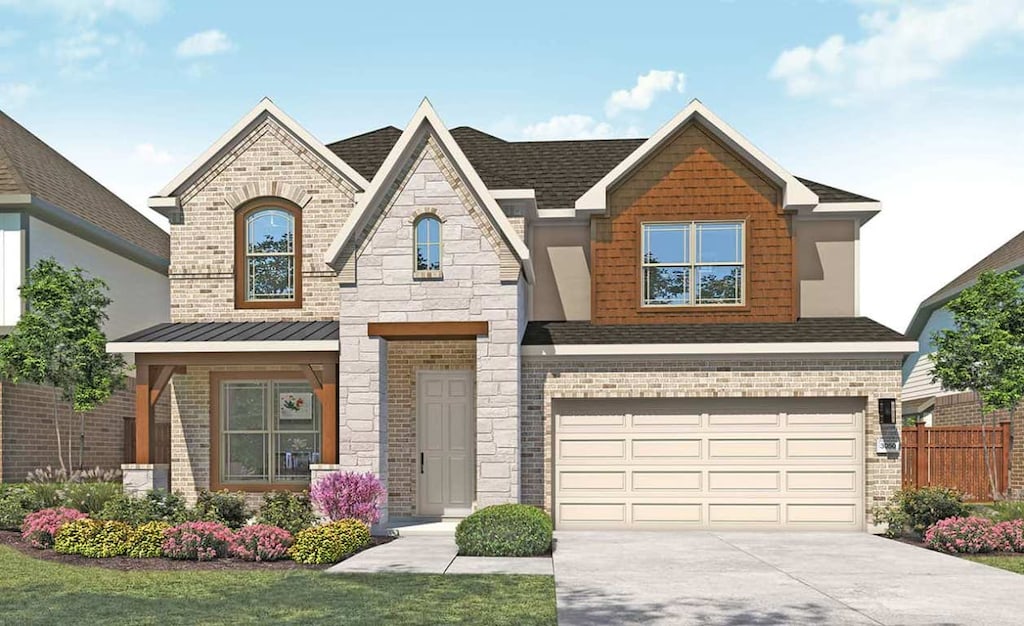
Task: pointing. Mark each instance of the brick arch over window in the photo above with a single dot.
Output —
(268, 189)
(242, 213)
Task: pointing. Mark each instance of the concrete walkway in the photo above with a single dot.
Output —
(773, 578)
(430, 554)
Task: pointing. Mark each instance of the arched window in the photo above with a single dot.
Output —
(428, 244)
(268, 264)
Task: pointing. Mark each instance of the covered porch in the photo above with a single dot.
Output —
(254, 405)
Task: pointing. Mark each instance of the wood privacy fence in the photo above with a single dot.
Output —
(954, 456)
(159, 442)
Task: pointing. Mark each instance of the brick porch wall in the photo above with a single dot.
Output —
(405, 358)
(961, 409)
(28, 440)
(544, 379)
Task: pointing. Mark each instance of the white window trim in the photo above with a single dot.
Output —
(693, 265)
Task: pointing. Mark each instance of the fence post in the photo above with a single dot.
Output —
(922, 455)
(1004, 474)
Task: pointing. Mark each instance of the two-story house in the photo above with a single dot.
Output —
(51, 208)
(635, 333)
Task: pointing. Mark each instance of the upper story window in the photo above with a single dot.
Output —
(692, 264)
(268, 264)
(427, 246)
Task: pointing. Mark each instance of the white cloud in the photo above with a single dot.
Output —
(90, 11)
(88, 53)
(903, 44)
(148, 153)
(16, 94)
(642, 95)
(572, 126)
(206, 43)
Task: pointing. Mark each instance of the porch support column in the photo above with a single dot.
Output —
(142, 475)
(143, 412)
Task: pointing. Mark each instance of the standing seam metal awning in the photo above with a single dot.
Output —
(306, 336)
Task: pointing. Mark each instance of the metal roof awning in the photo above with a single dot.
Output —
(222, 337)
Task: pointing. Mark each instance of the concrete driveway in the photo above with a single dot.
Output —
(741, 578)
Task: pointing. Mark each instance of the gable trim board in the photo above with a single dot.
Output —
(426, 120)
(266, 108)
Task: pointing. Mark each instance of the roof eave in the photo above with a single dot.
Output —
(722, 349)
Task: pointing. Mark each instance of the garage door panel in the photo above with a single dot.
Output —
(666, 480)
(709, 463)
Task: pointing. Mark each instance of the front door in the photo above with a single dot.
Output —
(445, 432)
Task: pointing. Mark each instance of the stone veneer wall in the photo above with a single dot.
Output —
(267, 162)
(190, 428)
(547, 378)
(28, 440)
(476, 287)
(405, 358)
(961, 409)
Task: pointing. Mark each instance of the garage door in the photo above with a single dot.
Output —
(718, 463)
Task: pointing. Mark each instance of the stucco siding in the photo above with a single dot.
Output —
(827, 267)
(561, 261)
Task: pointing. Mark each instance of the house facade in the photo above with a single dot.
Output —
(648, 333)
(924, 399)
(49, 208)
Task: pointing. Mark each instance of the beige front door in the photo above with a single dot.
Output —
(445, 432)
(794, 463)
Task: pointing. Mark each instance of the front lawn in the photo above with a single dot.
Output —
(33, 591)
(1010, 563)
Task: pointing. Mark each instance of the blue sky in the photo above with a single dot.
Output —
(920, 104)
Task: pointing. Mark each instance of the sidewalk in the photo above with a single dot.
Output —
(436, 555)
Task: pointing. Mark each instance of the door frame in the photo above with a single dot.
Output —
(470, 377)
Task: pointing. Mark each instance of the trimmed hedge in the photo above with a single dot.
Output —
(146, 541)
(330, 543)
(505, 530)
(288, 510)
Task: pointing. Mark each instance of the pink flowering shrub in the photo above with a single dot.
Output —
(197, 541)
(349, 495)
(261, 542)
(39, 528)
(1010, 535)
(963, 535)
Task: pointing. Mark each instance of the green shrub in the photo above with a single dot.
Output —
(155, 506)
(89, 498)
(330, 543)
(145, 540)
(288, 510)
(918, 509)
(222, 506)
(1003, 511)
(47, 495)
(505, 530)
(92, 538)
(16, 501)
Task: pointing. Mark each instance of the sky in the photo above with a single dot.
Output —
(919, 104)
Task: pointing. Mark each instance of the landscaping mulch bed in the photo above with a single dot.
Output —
(13, 539)
(921, 544)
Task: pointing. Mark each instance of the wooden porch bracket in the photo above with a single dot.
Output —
(314, 380)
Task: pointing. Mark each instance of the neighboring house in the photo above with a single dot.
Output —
(50, 208)
(926, 400)
(634, 333)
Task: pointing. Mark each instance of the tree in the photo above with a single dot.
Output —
(59, 343)
(984, 351)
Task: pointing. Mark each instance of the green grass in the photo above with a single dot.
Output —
(42, 592)
(1010, 563)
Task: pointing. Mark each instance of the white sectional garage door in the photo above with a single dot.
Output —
(794, 463)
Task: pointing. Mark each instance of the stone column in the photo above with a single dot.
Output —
(138, 478)
(497, 415)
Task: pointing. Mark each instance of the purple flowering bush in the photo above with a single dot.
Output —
(349, 495)
(261, 542)
(39, 528)
(197, 541)
(969, 535)
(1010, 535)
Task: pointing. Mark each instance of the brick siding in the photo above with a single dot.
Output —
(961, 409)
(405, 358)
(544, 380)
(694, 177)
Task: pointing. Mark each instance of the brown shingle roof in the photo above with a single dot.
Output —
(558, 171)
(813, 329)
(1010, 255)
(29, 166)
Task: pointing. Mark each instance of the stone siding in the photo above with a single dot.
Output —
(405, 358)
(268, 161)
(474, 287)
(545, 379)
(961, 409)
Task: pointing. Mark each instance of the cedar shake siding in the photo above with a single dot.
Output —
(694, 177)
